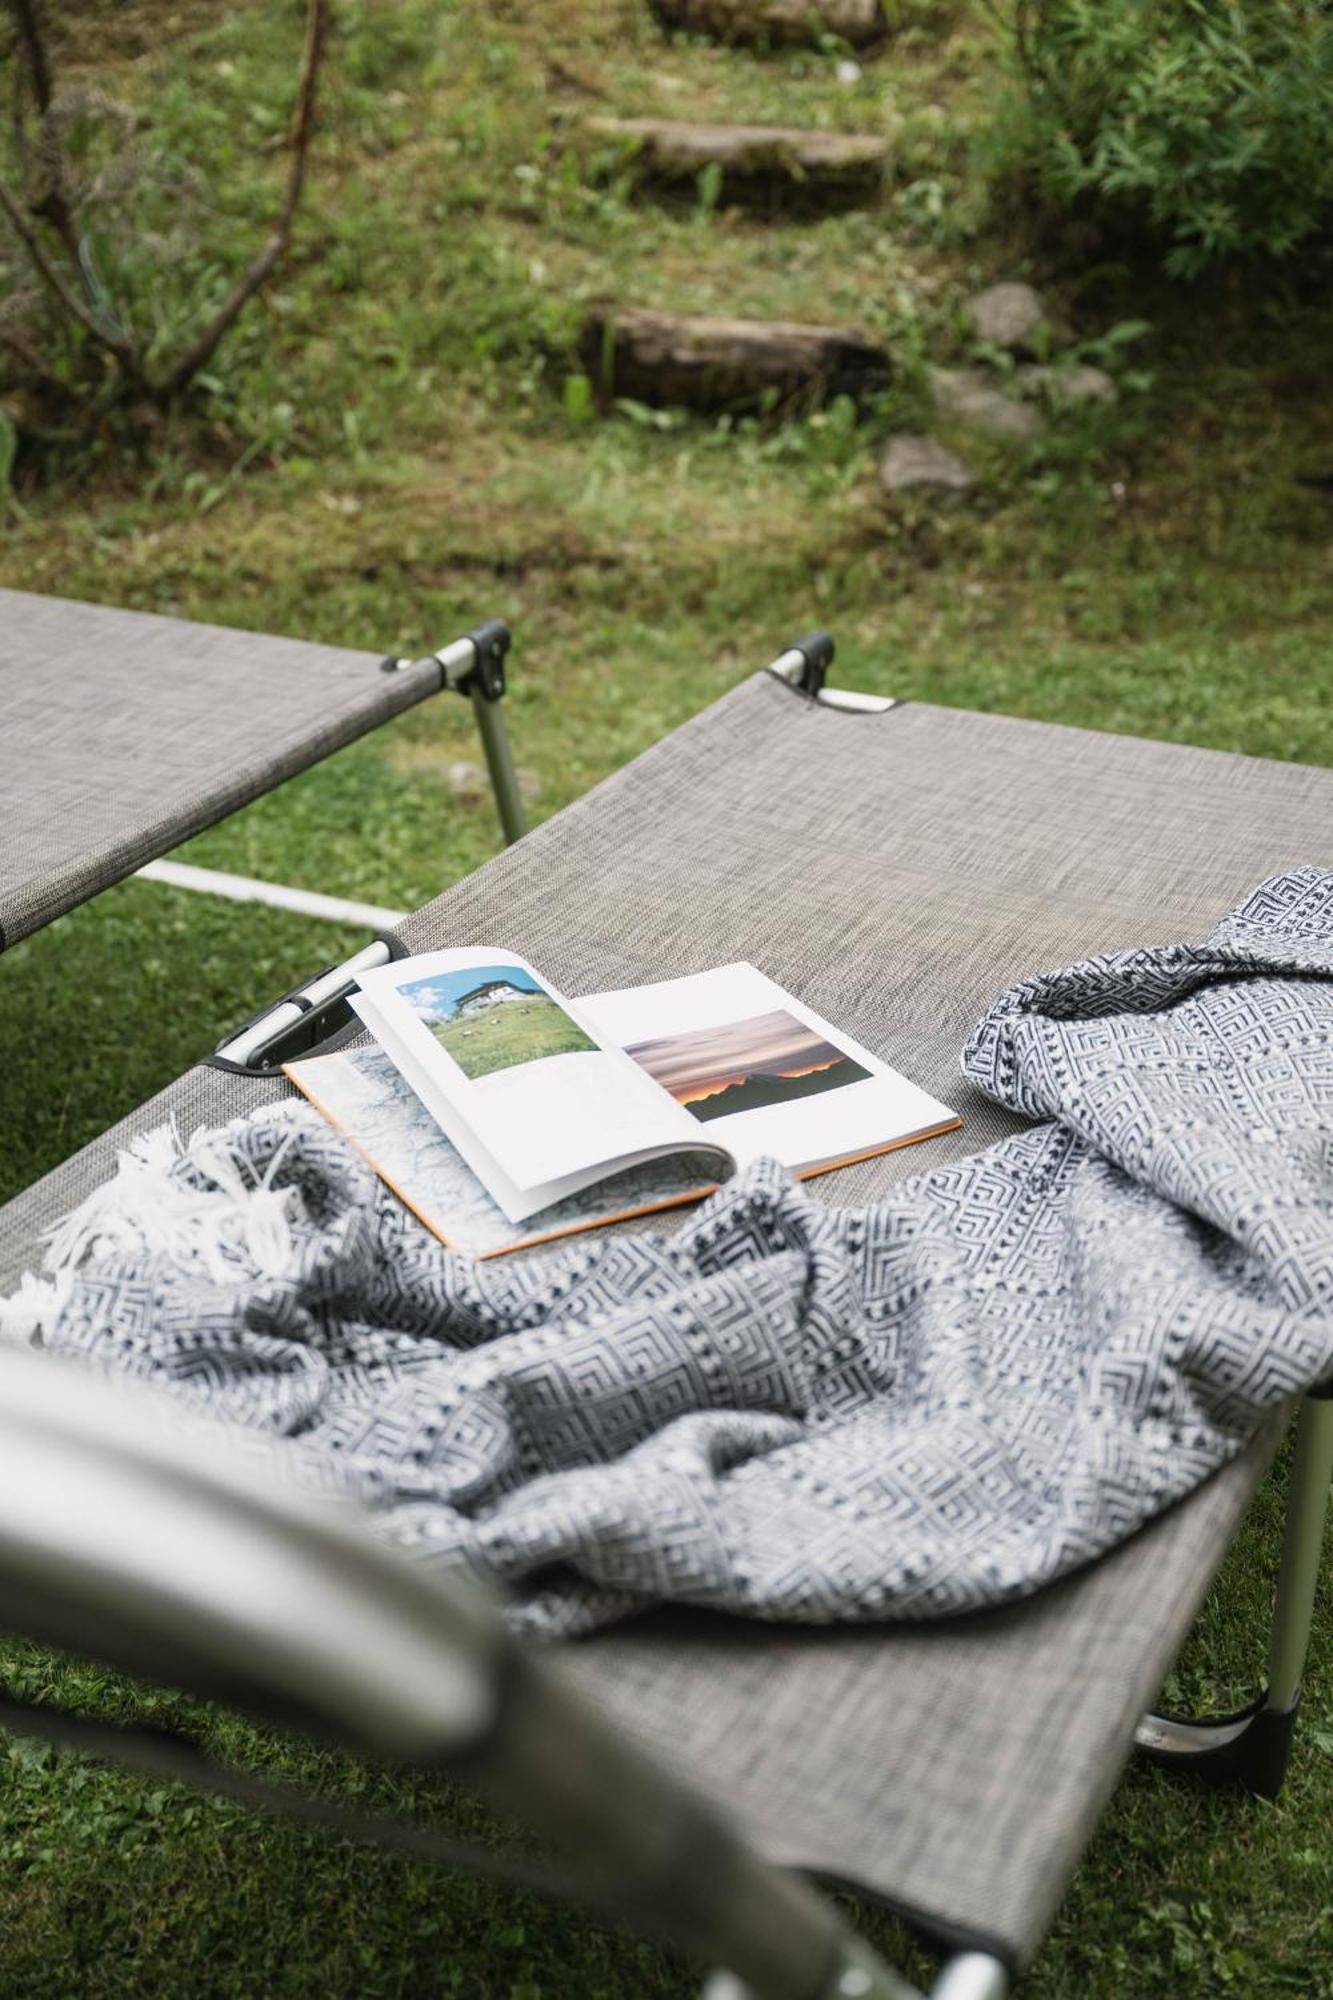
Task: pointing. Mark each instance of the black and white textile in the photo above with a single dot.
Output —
(941, 1402)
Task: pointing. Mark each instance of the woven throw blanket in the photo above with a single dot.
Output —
(786, 1410)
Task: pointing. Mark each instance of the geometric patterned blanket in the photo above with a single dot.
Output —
(785, 1410)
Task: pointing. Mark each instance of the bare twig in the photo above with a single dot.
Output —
(302, 129)
(53, 201)
(17, 116)
(24, 349)
(53, 208)
(117, 344)
(29, 27)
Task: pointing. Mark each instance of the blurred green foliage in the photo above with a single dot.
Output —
(1209, 120)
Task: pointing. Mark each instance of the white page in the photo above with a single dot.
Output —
(806, 1093)
(436, 1101)
(469, 1028)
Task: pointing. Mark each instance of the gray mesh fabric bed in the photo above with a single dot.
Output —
(122, 733)
(896, 870)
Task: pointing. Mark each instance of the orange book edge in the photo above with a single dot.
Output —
(581, 1227)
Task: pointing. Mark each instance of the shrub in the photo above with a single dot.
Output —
(1209, 119)
(105, 284)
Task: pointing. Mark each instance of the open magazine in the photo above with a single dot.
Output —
(504, 1113)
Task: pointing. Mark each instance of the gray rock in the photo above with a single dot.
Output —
(1065, 388)
(466, 781)
(914, 464)
(1016, 318)
(968, 398)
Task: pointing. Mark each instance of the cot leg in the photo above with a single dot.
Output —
(857, 1974)
(1307, 1504)
(500, 764)
(475, 666)
(1252, 1747)
(973, 1975)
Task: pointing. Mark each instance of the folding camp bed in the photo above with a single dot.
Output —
(121, 734)
(897, 865)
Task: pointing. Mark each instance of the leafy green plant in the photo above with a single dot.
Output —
(9, 445)
(95, 218)
(1206, 119)
(710, 189)
(579, 400)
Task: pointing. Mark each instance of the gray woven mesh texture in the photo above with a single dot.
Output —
(121, 734)
(896, 871)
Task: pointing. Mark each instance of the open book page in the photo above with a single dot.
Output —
(361, 1092)
(517, 1076)
(723, 1055)
(761, 1074)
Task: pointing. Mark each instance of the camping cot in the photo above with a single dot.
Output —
(122, 733)
(896, 864)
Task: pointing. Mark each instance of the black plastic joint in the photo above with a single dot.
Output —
(293, 997)
(817, 650)
(1264, 1751)
(1254, 1757)
(492, 639)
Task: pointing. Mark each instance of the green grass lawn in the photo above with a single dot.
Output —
(394, 451)
(515, 1031)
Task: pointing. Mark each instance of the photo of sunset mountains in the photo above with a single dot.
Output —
(745, 1065)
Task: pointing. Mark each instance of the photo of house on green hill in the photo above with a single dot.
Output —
(491, 1017)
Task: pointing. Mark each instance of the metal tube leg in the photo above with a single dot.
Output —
(1252, 1747)
(500, 764)
(1302, 1545)
(973, 1975)
(856, 1974)
(475, 665)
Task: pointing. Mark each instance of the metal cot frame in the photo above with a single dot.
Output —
(123, 733)
(345, 1638)
(1251, 1746)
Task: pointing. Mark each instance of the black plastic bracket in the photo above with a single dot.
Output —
(1250, 1748)
(817, 650)
(492, 639)
(485, 676)
(319, 1027)
(293, 997)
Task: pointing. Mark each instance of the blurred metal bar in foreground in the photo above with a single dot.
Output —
(166, 1547)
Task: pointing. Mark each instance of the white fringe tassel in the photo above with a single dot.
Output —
(230, 1228)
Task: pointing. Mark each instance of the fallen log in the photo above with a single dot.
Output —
(774, 21)
(727, 364)
(760, 164)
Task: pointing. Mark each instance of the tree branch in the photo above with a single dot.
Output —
(34, 48)
(19, 123)
(16, 344)
(117, 344)
(53, 202)
(302, 130)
